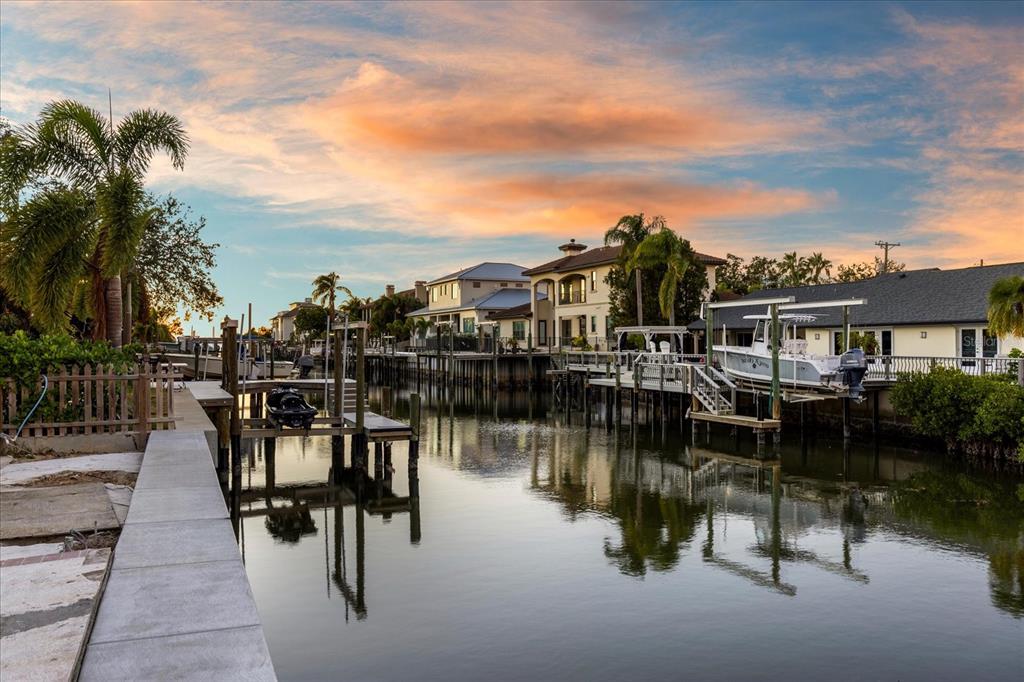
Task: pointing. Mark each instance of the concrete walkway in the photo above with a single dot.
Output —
(177, 604)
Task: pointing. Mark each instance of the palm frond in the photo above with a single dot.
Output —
(53, 292)
(73, 141)
(123, 221)
(144, 132)
(39, 229)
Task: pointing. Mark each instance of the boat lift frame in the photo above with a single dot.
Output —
(775, 305)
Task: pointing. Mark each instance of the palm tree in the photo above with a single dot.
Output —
(664, 248)
(326, 288)
(818, 265)
(794, 269)
(89, 230)
(630, 231)
(1006, 307)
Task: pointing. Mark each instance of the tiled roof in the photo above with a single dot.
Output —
(505, 272)
(599, 256)
(917, 297)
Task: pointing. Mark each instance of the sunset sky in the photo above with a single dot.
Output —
(394, 142)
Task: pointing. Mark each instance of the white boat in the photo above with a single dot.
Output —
(797, 367)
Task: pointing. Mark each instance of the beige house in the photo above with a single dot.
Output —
(576, 298)
(468, 297)
(283, 323)
(923, 313)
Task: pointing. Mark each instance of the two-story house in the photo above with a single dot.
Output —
(283, 323)
(467, 297)
(576, 299)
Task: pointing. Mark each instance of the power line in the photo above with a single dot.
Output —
(886, 246)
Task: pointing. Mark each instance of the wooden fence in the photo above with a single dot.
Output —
(92, 399)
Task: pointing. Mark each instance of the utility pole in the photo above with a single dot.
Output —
(886, 246)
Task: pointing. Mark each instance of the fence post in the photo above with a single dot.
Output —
(142, 399)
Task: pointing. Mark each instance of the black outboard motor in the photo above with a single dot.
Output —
(853, 365)
(286, 407)
(305, 366)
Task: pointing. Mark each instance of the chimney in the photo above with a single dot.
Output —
(389, 289)
(572, 248)
(421, 291)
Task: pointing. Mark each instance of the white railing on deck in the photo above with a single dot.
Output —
(889, 367)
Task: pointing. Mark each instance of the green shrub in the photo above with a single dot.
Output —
(967, 412)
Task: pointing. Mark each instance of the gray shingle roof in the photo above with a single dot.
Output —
(505, 272)
(501, 299)
(915, 297)
(602, 255)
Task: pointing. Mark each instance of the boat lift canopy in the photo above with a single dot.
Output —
(649, 332)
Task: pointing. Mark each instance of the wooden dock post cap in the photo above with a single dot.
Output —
(228, 323)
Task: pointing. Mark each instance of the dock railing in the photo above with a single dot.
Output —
(91, 399)
(888, 367)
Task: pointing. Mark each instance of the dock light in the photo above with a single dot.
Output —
(924, 335)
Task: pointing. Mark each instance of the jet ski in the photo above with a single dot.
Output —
(286, 407)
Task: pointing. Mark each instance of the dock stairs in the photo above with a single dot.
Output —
(715, 391)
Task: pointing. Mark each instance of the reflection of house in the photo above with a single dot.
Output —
(467, 297)
(932, 313)
(283, 324)
(578, 298)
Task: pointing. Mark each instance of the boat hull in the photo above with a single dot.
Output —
(793, 371)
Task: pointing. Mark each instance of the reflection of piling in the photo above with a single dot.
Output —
(414, 463)
(338, 441)
(270, 461)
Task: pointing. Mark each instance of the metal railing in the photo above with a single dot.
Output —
(889, 367)
(710, 387)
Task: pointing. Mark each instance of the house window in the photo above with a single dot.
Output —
(593, 280)
(433, 295)
(476, 285)
(468, 325)
(593, 324)
(519, 330)
(444, 289)
(519, 285)
(455, 290)
(504, 284)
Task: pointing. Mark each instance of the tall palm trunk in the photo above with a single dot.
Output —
(114, 303)
(639, 298)
(126, 322)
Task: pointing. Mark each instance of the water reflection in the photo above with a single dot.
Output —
(548, 536)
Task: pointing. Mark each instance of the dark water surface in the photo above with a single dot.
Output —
(543, 550)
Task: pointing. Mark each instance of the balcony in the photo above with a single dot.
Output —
(572, 296)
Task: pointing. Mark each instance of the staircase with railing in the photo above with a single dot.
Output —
(715, 391)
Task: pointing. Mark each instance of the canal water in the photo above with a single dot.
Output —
(539, 549)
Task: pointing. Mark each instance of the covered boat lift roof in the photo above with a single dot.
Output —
(649, 332)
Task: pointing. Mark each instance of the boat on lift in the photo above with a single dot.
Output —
(842, 374)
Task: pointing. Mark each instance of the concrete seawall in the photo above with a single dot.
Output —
(178, 603)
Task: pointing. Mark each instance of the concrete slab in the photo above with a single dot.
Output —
(184, 475)
(41, 512)
(177, 504)
(175, 542)
(45, 606)
(235, 654)
(120, 499)
(22, 472)
(203, 596)
(177, 447)
(10, 552)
